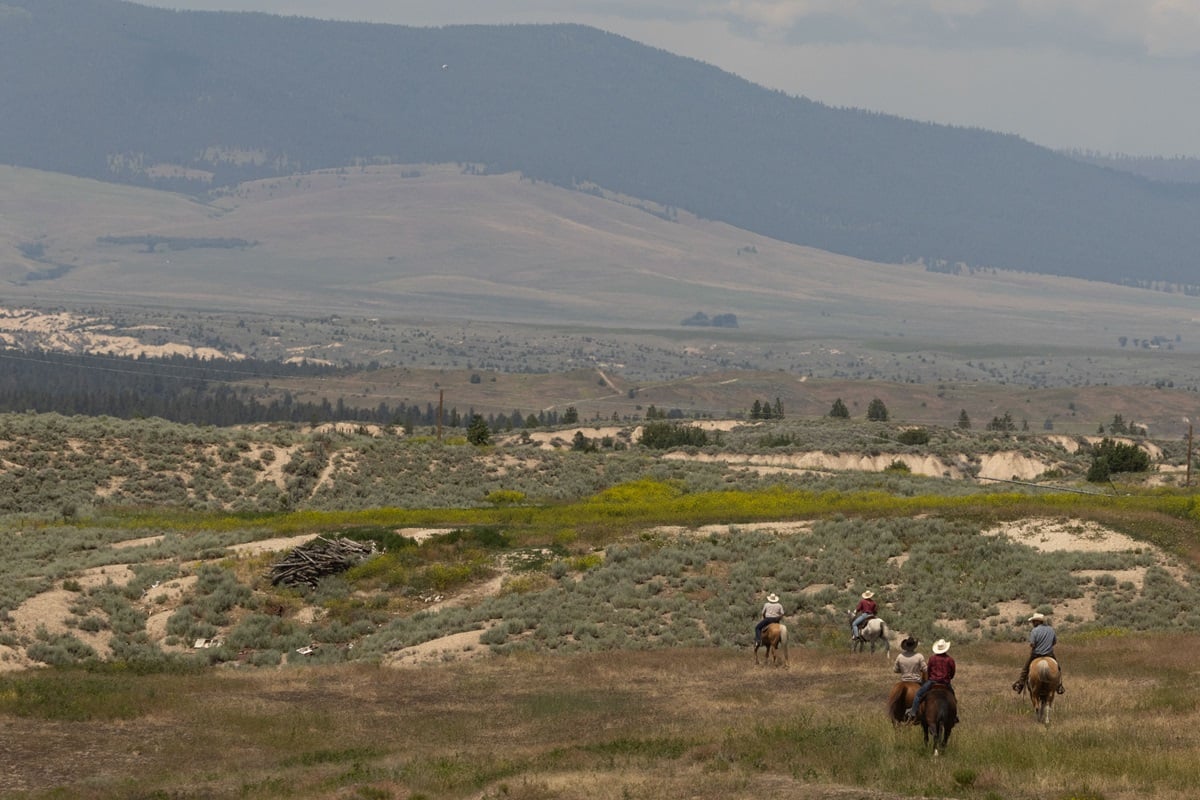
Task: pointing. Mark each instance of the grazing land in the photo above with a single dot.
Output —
(543, 620)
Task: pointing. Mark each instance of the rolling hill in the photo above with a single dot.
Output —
(433, 242)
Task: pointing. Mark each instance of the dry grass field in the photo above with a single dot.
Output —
(451, 719)
(659, 725)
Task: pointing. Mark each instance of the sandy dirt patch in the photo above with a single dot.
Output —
(1068, 443)
(145, 540)
(75, 333)
(786, 527)
(419, 535)
(456, 647)
(116, 574)
(1049, 534)
(550, 440)
(828, 462)
(273, 469)
(49, 612)
(272, 545)
(1012, 466)
(357, 429)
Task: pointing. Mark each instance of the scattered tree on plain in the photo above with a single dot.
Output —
(478, 432)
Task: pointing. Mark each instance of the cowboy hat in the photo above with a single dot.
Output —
(867, 595)
(1039, 617)
(772, 598)
(941, 646)
(909, 644)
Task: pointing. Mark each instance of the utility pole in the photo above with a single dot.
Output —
(441, 395)
(1188, 480)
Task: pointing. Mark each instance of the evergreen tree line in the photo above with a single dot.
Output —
(179, 388)
(200, 391)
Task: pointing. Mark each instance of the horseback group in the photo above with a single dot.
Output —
(908, 703)
(924, 693)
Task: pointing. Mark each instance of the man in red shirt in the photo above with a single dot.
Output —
(941, 670)
(865, 609)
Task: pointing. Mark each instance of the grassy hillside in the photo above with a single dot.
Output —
(443, 245)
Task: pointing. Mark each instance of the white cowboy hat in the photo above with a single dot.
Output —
(941, 646)
(867, 595)
(772, 598)
(1039, 617)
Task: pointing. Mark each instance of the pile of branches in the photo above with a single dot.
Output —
(317, 558)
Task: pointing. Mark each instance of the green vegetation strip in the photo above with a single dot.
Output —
(646, 503)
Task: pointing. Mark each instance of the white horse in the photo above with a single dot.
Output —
(873, 632)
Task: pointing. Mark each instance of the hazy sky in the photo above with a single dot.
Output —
(1114, 76)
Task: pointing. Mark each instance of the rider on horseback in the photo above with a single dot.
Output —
(772, 611)
(941, 670)
(910, 664)
(865, 609)
(1041, 645)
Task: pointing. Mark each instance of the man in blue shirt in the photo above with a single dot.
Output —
(1041, 644)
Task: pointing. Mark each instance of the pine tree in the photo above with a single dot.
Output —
(478, 432)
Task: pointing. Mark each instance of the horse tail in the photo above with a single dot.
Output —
(783, 640)
(1048, 672)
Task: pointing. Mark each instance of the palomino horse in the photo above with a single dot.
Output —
(938, 714)
(774, 638)
(872, 632)
(900, 700)
(1044, 678)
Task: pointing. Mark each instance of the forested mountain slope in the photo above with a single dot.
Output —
(194, 100)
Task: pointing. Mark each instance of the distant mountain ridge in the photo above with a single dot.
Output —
(196, 100)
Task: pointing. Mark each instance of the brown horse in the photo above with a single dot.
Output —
(774, 638)
(1044, 678)
(938, 715)
(900, 700)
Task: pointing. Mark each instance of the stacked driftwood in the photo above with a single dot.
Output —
(319, 557)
